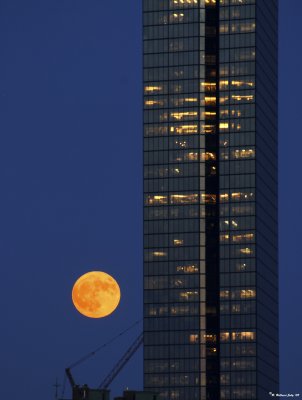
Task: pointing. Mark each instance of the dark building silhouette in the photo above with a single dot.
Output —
(210, 199)
(137, 395)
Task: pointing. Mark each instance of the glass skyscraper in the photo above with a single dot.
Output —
(210, 199)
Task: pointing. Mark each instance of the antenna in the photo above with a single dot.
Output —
(56, 386)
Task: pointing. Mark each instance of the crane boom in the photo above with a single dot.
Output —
(70, 378)
(122, 362)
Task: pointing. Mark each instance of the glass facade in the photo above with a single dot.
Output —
(210, 199)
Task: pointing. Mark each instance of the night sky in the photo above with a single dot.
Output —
(71, 188)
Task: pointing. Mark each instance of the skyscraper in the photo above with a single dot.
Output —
(210, 199)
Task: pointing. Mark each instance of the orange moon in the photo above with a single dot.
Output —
(96, 294)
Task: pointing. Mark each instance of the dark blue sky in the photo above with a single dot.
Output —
(70, 165)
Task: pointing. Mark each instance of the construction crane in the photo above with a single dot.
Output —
(102, 393)
(122, 362)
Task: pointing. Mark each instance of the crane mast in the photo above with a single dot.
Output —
(102, 393)
(122, 362)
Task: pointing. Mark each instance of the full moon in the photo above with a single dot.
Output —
(96, 294)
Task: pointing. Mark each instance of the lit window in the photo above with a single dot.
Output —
(181, 143)
(239, 196)
(159, 254)
(187, 269)
(224, 125)
(236, 308)
(247, 294)
(223, 84)
(154, 103)
(224, 238)
(224, 336)
(190, 99)
(177, 17)
(246, 251)
(184, 115)
(211, 351)
(156, 200)
(152, 312)
(178, 242)
(241, 267)
(208, 128)
(180, 310)
(209, 86)
(194, 338)
(243, 153)
(183, 2)
(242, 83)
(208, 156)
(210, 101)
(210, 338)
(184, 129)
(236, 113)
(188, 295)
(208, 198)
(224, 197)
(191, 157)
(242, 98)
(184, 198)
(243, 336)
(224, 294)
(223, 99)
(210, 114)
(152, 89)
(243, 238)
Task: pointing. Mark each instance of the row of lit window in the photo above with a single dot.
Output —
(172, 17)
(189, 239)
(233, 154)
(237, 69)
(155, 352)
(174, 295)
(175, 310)
(150, 5)
(196, 198)
(183, 225)
(237, 27)
(243, 125)
(234, 251)
(226, 364)
(235, 238)
(245, 307)
(232, 55)
(238, 336)
(174, 268)
(248, 11)
(184, 72)
(230, 268)
(239, 393)
(191, 103)
(160, 215)
(224, 84)
(183, 39)
(166, 240)
(178, 281)
(246, 137)
(187, 171)
(163, 116)
(238, 294)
